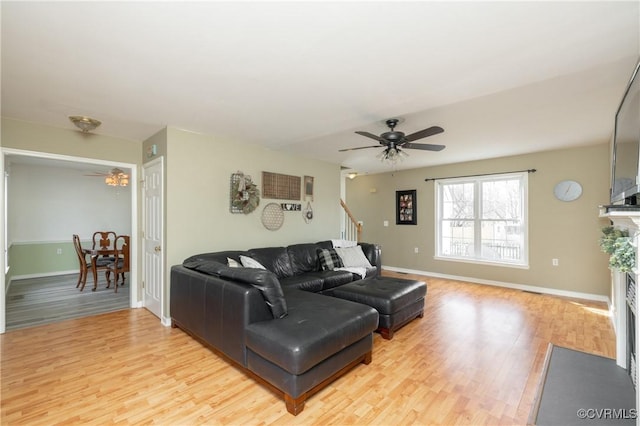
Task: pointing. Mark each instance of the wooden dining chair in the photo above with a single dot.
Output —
(104, 240)
(85, 266)
(121, 265)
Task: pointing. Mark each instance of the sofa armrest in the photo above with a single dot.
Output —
(215, 310)
(373, 253)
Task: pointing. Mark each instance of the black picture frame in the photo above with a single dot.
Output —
(406, 207)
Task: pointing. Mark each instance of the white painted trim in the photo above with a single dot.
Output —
(134, 285)
(531, 288)
(612, 317)
(27, 243)
(481, 262)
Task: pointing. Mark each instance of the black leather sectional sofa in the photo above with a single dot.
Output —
(276, 322)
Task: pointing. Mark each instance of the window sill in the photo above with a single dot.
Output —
(482, 262)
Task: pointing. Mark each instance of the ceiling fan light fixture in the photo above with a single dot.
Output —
(392, 155)
(84, 123)
(393, 140)
(117, 178)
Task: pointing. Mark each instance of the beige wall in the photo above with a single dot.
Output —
(198, 169)
(54, 140)
(36, 137)
(566, 231)
(198, 173)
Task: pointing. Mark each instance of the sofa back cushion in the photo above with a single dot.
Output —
(275, 259)
(303, 258)
(261, 279)
(327, 244)
(220, 256)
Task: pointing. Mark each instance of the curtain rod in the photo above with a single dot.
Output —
(482, 174)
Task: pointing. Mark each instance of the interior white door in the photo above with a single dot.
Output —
(153, 258)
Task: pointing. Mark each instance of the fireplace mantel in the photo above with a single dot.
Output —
(622, 216)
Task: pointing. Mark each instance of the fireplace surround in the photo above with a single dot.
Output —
(624, 294)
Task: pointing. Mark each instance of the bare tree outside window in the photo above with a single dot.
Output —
(483, 219)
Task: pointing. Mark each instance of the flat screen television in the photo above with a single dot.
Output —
(625, 180)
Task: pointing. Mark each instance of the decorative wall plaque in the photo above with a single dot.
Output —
(291, 207)
(308, 187)
(280, 187)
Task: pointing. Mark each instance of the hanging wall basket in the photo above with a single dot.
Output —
(245, 195)
(272, 217)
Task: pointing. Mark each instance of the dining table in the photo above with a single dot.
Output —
(94, 253)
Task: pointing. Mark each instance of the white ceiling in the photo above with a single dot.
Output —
(501, 78)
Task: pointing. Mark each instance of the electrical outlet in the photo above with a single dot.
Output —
(59, 251)
(554, 262)
(385, 223)
(416, 250)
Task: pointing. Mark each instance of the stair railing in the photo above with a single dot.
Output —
(352, 228)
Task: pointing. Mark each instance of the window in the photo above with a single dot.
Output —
(483, 219)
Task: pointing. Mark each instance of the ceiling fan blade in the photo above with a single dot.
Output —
(360, 147)
(434, 130)
(423, 146)
(372, 136)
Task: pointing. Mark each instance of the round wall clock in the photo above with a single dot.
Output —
(567, 190)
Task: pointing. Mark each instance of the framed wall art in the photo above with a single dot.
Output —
(406, 208)
(308, 187)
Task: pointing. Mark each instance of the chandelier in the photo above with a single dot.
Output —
(117, 178)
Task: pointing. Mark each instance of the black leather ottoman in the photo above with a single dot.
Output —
(397, 301)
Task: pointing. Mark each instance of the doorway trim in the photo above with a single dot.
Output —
(135, 300)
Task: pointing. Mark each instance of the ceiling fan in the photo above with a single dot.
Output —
(116, 177)
(395, 140)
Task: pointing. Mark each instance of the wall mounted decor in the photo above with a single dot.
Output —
(406, 208)
(307, 214)
(272, 216)
(567, 190)
(291, 207)
(244, 194)
(280, 187)
(308, 187)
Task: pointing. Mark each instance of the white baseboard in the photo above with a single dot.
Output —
(523, 287)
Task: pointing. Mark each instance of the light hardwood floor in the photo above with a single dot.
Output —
(475, 358)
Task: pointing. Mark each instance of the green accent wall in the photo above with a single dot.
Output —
(42, 258)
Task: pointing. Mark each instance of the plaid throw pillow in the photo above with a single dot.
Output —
(329, 259)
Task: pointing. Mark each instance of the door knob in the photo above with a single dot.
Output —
(158, 249)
